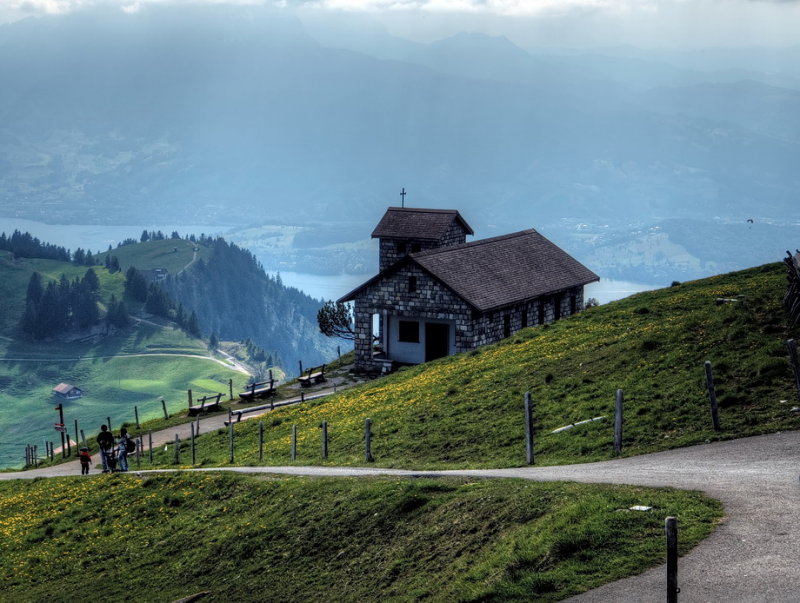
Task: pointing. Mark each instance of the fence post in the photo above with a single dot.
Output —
(191, 430)
(139, 452)
(528, 429)
(795, 364)
(230, 431)
(36, 455)
(189, 397)
(164, 408)
(671, 528)
(83, 437)
(150, 444)
(324, 440)
(712, 396)
(177, 450)
(69, 443)
(261, 440)
(294, 442)
(197, 429)
(136, 414)
(618, 423)
(52, 452)
(108, 422)
(368, 440)
(230, 388)
(77, 440)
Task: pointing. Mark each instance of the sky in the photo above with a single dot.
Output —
(666, 24)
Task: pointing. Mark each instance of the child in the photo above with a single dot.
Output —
(86, 460)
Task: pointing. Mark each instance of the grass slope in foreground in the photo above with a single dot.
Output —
(467, 410)
(297, 539)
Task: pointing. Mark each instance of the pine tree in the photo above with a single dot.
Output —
(192, 326)
(91, 280)
(35, 289)
(135, 285)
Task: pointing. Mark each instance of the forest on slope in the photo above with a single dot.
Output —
(236, 300)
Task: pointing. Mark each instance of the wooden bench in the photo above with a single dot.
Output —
(312, 376)
(261, 389)
(206, 403)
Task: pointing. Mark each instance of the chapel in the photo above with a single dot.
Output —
(436, 294)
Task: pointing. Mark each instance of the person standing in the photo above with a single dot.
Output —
(122, 449)
(86, 460)
(105, 441)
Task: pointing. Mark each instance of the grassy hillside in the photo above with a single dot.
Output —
(467, 410)
(172, 254)
(294, 539)
(114, 381)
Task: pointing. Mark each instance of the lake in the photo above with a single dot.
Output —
(98, 238)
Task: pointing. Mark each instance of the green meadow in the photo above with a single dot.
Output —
(117, 371)
(238, 538)
(467, 410)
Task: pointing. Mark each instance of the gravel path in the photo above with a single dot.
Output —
(752, 556)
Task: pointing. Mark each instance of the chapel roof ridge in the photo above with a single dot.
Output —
(476, 243)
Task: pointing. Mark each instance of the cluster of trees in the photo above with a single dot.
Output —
(158, 302)
(236, 300)
(65, 305)
(157, 235)
(25, 245)
(83, 258)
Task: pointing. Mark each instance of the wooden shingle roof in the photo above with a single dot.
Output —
(505, 270)
(418, 223)
(498, 272)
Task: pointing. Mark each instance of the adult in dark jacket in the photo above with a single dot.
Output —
(105, 441)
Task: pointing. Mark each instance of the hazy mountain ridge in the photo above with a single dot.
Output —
(231, 113)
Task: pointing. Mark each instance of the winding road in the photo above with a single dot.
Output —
(751, 557)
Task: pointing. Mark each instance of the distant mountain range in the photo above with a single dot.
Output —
(223, 115)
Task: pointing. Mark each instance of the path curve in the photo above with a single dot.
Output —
(751, 557)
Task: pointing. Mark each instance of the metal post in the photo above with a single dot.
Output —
(618, 423)
(795, 364)
(108, 422)
(712, 396)
(324, 440)
(671, 528)
(294, 442)
(139, 452)
(177, 450)
(368, 440)
(136, 414)
(189, 397)
(52, 452)
(528, 429)
(77, 441)
(230, 430)
(164, 408)
(230, 388)
(191, 430)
